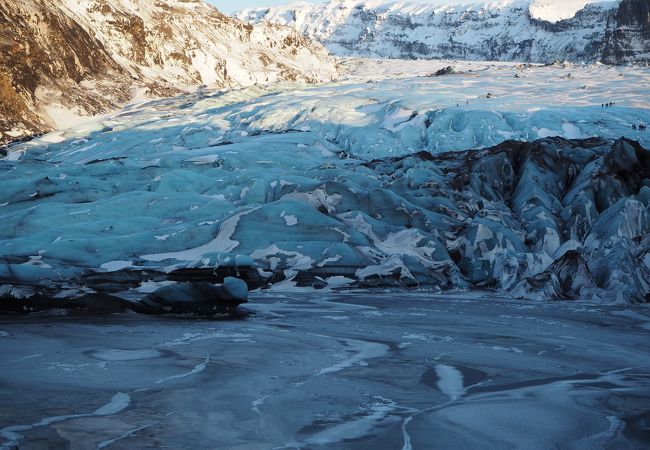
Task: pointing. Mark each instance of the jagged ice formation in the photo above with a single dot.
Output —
(339, 185)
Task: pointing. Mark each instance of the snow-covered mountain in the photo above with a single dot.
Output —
(62, 59)
(505, 30)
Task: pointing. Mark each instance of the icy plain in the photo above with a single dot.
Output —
(345, 371)
(288, 179)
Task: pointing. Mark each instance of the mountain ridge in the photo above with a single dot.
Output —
(66, 59)
(510, 30)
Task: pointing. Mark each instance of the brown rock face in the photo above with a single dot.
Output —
(41, 46)
(65, 58)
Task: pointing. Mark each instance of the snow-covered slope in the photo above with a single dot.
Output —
(63, 59)
(188, 42)
(363, 182)
(505, 30)
(556, 10)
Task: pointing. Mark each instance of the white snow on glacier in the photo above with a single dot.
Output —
(280, 178)
(479, 105)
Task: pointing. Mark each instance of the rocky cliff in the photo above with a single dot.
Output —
(65, 59)
(45, 52)
(628, 36)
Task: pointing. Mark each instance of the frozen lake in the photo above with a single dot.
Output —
(322, 370)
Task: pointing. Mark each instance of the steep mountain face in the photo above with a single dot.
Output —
(512, 30)
(45, 54)
(62, 59)
(628, 39)
(190, 42)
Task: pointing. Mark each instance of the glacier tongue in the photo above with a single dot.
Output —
(345, 184)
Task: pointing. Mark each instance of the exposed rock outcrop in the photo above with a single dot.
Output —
(201, 299)
(44, 57)
(628, 35)
(65, 59)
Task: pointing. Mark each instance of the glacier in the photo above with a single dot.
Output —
(509, 177)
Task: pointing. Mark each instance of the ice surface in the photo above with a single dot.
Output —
(345, 184)
(118, 402)
(579, 380)
(196, 369)
(125, 355)
(360, 352)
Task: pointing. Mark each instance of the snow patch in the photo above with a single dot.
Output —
(450, 381)
(556, 10)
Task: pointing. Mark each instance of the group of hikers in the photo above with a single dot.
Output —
(640, 127)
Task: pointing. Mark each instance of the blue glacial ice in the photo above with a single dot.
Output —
(365, 182)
